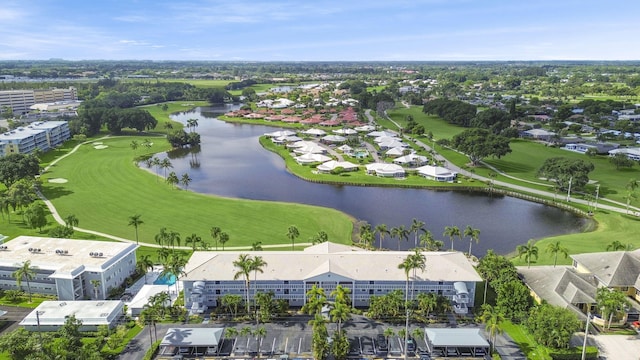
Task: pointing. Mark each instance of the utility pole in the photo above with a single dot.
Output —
(586, 332)
(597, 194)
(569, 190)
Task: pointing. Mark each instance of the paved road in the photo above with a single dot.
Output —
(13, 317)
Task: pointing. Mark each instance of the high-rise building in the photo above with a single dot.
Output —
(19, 101)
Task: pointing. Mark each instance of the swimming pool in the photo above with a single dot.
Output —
(168, 279)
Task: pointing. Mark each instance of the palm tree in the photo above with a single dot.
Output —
(192, 124)
(416, 225)
(165, 164)
(157, 163)
(409, 264)
(315, 300)
(388, 332)
(144, 264)
(340, 313)
(243, 264)
(292, 234)
(134, 145)
(172, 179)
(26, 272)
(381, 229)
(96, 285)
(135, 221)
(473, 234)
(185, 180)
(71, 221)
(493, 318)
(162, 237)
(175, 266)
(150, 315)
(320, 237)
(555, 248)
(400, 232)
(256, 265)
(451, 232)
(230, 332)
(193, 239)
(260, 333)
(223, 238)
(429, 243)
(367, 237)
(530, 250)
(616, 245)
(427, 302)
(256, 246)
(215, 234)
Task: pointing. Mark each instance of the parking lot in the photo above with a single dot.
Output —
(292, 339)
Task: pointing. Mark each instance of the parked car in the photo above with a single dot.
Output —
(411, 345)
(381, 343)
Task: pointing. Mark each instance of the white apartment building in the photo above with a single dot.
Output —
(66, 267)
(43, 135)
(291, 274)
(51, 315)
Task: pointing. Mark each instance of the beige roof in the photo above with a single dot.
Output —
(327, 257)
(612, 268)
(75, 255)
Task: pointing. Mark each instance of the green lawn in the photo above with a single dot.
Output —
(434, 124)
(527, 157)
(108, 188)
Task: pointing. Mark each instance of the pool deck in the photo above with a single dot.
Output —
(151, 277)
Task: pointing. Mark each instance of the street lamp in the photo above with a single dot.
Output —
(586, 332)
(38, 313)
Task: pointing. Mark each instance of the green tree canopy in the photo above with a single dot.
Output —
(16, 167)
(562, 170)
(481, 143)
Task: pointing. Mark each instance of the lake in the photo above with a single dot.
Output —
(232, 163)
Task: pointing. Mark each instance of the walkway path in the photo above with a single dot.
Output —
(520, 188)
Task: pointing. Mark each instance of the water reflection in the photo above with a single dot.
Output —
(232, 163)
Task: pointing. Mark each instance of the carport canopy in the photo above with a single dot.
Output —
(450, 338)
(192, 337)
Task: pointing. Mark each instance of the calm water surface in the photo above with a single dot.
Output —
(232, 163)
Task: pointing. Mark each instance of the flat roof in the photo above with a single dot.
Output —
(88, 311)
(186, 337)
(142, 297)
(455, 338)
(349, 262)
(76, 254)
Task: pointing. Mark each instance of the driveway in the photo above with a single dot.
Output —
(618, 347)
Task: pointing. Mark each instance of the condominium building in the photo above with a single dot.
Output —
(291, 274)
(39, 135)
(20, 101)
(52, 315)
(67, 268)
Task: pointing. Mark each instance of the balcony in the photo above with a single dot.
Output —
(461, 298)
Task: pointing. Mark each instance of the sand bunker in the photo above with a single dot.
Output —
(58, 180)
(100, 147)
(97, 143)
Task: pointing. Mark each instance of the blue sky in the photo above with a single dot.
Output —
(320, 30)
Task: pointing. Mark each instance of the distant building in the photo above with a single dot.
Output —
(632, 153)
(600, 148)
(43, 136)
(65, 268)
(538, 134)
(291, 274)
(20, 101)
